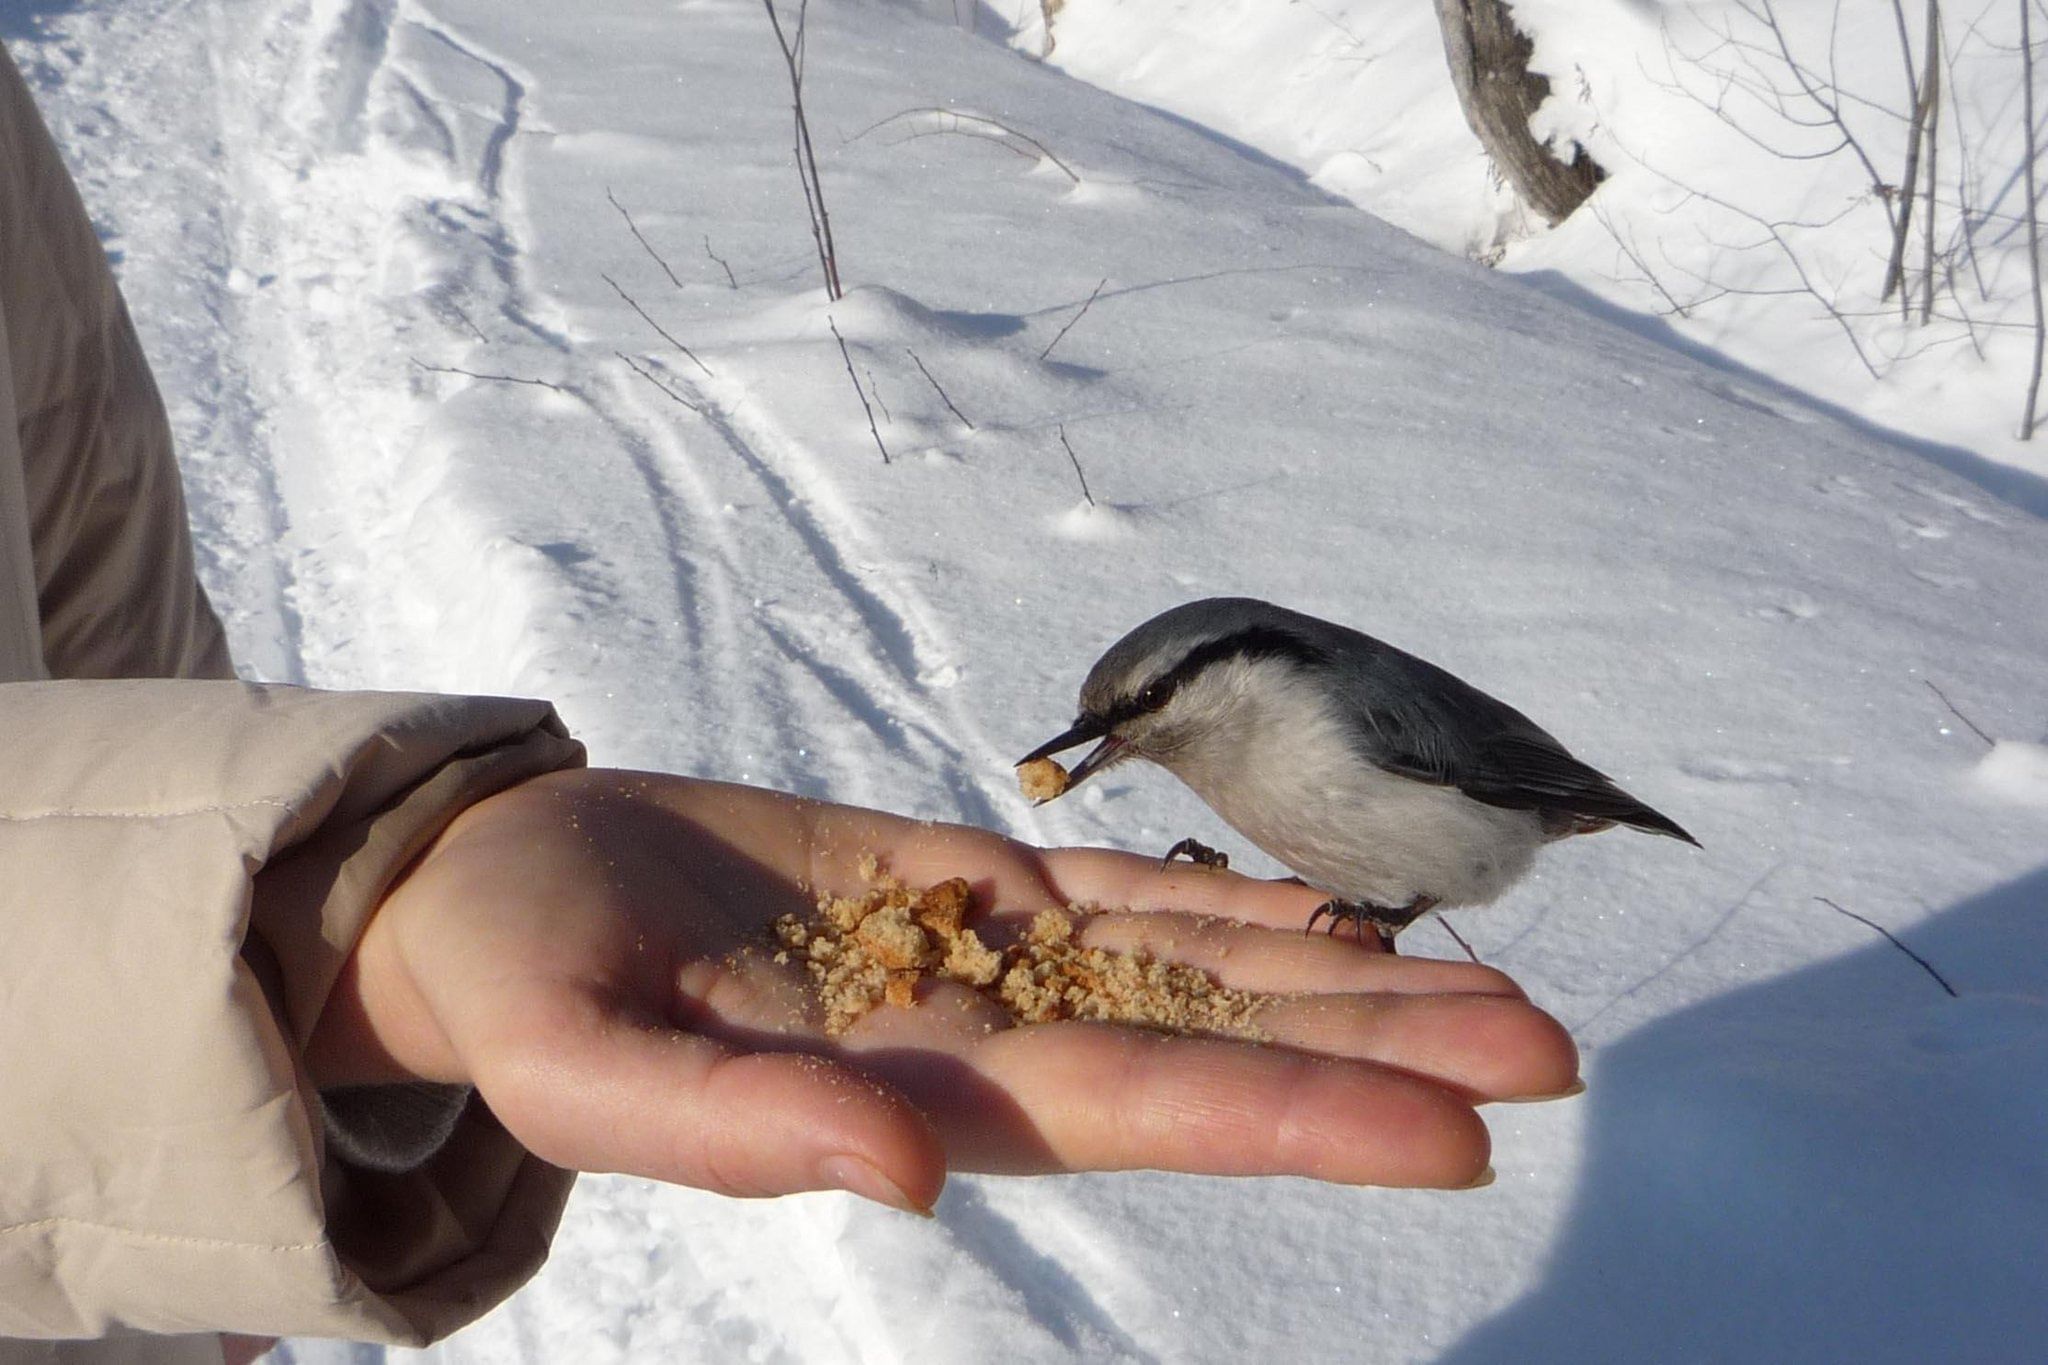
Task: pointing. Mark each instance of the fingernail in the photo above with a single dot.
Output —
(1481, 1181)
(856, 1175)
(1575, 1088)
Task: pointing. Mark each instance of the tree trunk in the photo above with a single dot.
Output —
(1489, 59)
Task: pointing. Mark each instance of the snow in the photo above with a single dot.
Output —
(1734, 222)
(1728, 594)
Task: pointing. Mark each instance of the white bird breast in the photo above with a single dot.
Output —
(1274, 761)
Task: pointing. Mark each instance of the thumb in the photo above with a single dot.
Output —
(589, 1088)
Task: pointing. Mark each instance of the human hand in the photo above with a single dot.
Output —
(572, 947)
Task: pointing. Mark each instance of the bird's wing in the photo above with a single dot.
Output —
(1424, 723)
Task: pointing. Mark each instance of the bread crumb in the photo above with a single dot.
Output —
(1041, 779)
(875, 948)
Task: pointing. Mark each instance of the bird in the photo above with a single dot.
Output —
(1378, 778)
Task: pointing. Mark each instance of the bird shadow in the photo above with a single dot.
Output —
(1843, 1163)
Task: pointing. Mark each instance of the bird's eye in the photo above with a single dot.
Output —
(1154, 696)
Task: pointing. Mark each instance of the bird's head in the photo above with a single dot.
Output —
(1172, 686)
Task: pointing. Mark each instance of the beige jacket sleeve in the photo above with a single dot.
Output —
(96, 575)
(188, 859)
(160, 1164)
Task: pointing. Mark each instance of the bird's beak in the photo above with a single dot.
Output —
(1080, 732)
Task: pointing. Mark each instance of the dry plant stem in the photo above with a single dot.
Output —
(1956, 711)
(1765, 14)
(2033, 218)
(730, 278)
(806, 156)
(946, 121)
(859, 392)
(653, 379)
(645, 245)
(1909, 180)
(1075, 460)
(1925, 965)
(648, 318)
(1458, 938)
(493, 378)
(1930, 100)
(1074, 319)
(937, 388)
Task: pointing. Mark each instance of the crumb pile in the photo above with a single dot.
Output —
(874, 948)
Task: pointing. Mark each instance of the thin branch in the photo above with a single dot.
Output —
(1909, 182)
(1930, 100)
(493, 378)
(1925, 965)
(729, 276)
(634, 304)
(2033, 219)
(1975, 728)
(876, 390)
(475, 330)
(1074, 319)
(942, 121)
(651, 378)
(1458, 938)
(1075, 460)
(646, 245)
(847, 356)
(806, 154)
(937, 388)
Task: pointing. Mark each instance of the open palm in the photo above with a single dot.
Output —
(589, 950)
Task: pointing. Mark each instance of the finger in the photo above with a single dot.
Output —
(1106, 877)
(1074, 1097)
(592, 1089)
(1485, 1047)
(1279, 961)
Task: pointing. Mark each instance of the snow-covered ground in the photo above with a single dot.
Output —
(1794, 1144)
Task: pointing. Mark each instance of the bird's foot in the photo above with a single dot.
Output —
(1384, 920)
(1197, 852)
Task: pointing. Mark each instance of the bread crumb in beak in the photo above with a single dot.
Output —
(1041, 779)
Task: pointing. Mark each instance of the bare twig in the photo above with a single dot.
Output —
(876, 390)
(1921, 100)
(1930, 100)
(1956, 711)
(934, 122)
(493, 378)
(806, 155)
(936, 388)
(2033, 218)
(634, 304)
(730, 278)
(475, 330)
(847, 356)
(653, 379)
(1458, 938)
(1925, 965)
(1075, 460)
(1074, 319)
(645, 245)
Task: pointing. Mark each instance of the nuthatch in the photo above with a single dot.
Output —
(1375, 776)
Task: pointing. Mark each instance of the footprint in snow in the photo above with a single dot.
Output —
(1793, 606)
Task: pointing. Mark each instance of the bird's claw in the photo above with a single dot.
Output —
(1384, 920)
(1198, 853)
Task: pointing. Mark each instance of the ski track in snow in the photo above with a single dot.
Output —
(849, 639)
(849, 642)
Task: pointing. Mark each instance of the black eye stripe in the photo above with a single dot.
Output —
(1255, 642)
